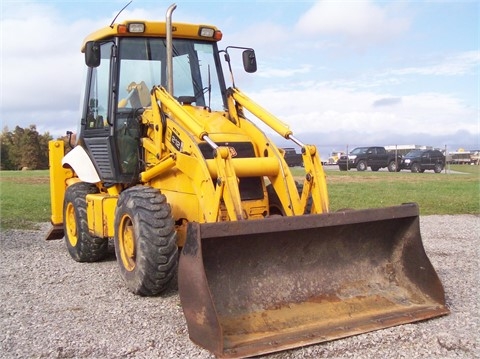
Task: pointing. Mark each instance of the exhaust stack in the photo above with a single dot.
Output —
(168, 25)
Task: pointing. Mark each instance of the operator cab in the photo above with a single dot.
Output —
(125, 61)
(122, 72)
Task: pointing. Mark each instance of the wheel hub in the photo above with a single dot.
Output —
(127, 243)
(71, 225)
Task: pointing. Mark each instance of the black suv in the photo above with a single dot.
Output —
(421, 160)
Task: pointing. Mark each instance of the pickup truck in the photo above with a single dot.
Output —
(373, 157)
(292, 157)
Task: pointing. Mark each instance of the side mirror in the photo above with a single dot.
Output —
(249, 61)
(92, 54)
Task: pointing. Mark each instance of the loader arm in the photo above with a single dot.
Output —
(315, 184)
(169, 117)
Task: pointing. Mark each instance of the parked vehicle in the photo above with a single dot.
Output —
(334, 156)
(421, 160)
(463, 157)
(374, 157)
(292, 157)
(475, 158)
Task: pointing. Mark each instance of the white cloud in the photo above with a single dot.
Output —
(453, 65)
(42, 68)
(360, 22)
(270, 72)
(318, 108)
(264, 36)
(42, 73)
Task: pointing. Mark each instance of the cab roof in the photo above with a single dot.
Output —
(153, 29)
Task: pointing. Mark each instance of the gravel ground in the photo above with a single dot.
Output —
(53, 307)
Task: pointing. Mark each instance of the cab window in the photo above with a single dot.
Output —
(98, 94)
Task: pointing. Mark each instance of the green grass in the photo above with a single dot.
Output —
(446, 195)
(451, 193)
(25, 198)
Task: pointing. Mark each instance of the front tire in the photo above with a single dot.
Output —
(415, 168)
(275, 205)
(145, 240)
(81, 246)
(361, 166)
(393, 167)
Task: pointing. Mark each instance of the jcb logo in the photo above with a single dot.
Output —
(233, 152)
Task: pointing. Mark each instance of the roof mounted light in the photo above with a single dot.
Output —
(210, 33)
(136, 27)
(218, 35)
(121, 29)
(133, 27)
(206, 32)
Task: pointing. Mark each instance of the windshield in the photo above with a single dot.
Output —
(143, 65)
(414, 153)
(359, 150)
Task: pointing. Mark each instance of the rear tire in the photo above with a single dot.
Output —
(438, 168)
(82, 246)
(145, 240)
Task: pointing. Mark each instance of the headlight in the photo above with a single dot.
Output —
(206, 32)
(136, 27)
(133, 27)
(352, 157)
(406, 161)
(209, 32)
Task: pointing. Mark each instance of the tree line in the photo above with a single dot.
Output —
(24, 148)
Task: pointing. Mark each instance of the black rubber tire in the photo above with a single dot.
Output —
(81, 246)
(438, 168)
(275, 206)
(308, 208)
(145, 240)
(342, 168)
(393, 166)
(415, 168)
(362, 166)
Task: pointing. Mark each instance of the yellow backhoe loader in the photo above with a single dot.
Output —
(167, 162)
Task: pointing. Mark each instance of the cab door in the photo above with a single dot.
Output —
(102, 126)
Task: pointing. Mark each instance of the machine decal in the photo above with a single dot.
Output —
(176, 142)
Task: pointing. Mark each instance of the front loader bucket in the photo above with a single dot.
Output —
(249, 288)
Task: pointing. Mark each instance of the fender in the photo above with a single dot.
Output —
(81, 163)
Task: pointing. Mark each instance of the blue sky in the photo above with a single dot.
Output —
(340, 73)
